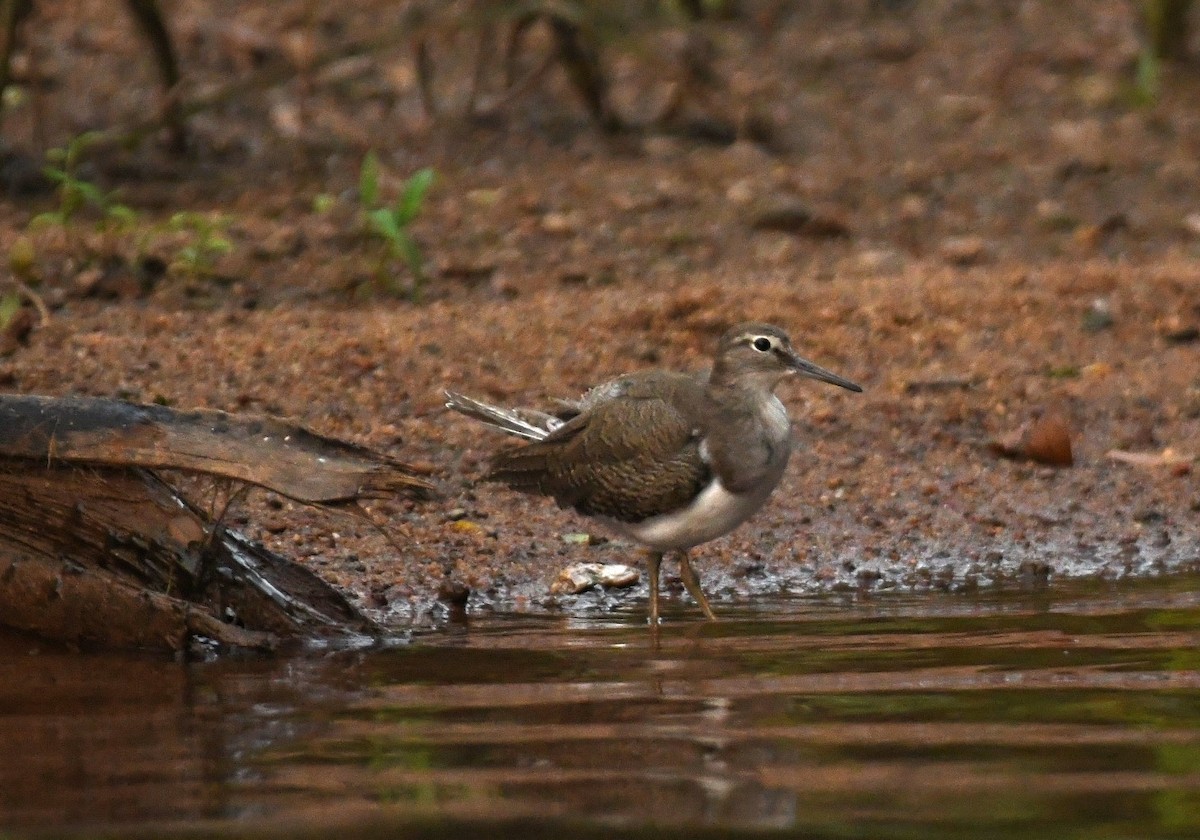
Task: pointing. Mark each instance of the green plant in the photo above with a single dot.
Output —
(323, 203)
(1147, 79)
(197, 240)
(208, 242)
(75, 193)
(1167, 27)
(391, 223)
(10, 304)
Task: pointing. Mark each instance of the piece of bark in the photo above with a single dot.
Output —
(85, 607)
(97, 549)
(116, 558)
(262, 451)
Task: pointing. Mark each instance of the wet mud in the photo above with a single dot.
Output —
(1016, 239)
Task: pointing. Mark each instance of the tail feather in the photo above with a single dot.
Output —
(524, 423)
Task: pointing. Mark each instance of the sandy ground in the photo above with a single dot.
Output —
(1001, 234)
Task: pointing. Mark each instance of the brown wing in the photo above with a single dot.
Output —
(628, 458)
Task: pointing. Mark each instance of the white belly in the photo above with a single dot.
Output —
(715, 512)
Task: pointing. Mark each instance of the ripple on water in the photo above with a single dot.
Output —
(1073, 711)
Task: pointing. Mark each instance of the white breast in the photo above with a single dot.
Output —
(775, 417)
(714, 512)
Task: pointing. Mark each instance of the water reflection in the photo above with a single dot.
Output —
(1072, 712)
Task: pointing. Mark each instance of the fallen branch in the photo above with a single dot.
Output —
(262, 451)
(97, 549)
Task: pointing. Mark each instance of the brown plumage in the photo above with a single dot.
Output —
(595, 464)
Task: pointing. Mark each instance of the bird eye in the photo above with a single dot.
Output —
(762, 344)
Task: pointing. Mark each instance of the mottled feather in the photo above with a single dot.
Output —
(629, 455)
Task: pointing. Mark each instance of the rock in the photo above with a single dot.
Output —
(962, 108)
(581, 577)
(1176, 332)
(938, 384)
(740, 192)
(561, 224)
(913, 207)
(1098, 90)
(454, 591)
(661, 147)
(875, 261)
(1049, 442)
(280, 241)
(1046, 440)
(468, 271)
(1098, 317)
(485, 197)
(1054, 215)
(746, 157)
(963, 250)
(891, 44)
(1082, 141)
(792, 216)
(1191, 223)
(87, 281)
(1092, 236)
(287, 120)
(1096, 371)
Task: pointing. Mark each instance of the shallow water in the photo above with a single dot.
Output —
(1069, 712)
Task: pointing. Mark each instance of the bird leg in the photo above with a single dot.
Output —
(655, 561)
(692, 584)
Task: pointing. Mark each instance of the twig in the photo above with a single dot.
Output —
(35, 299)
(264, 79)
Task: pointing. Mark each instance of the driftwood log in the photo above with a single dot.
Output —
(97, 548)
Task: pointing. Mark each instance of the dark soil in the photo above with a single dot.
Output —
(980, 221)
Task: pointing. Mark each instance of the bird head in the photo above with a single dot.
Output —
(761, 355)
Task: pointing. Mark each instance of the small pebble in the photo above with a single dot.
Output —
(581, 577)
(963, 250)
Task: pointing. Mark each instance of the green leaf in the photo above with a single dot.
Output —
(219, 245)
(1063, 372)
(1147, 80)
(50, 217)
(368, 180)
(70, 203)
(9, 304)
(408, 249)
(384, 223)
(413, 196)
(122, 214)
(92, 194)
(79, 145)
(180, 221)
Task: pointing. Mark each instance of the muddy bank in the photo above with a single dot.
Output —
(1014, 238)
(897, 487)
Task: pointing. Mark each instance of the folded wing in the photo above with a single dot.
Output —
(628, 458)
